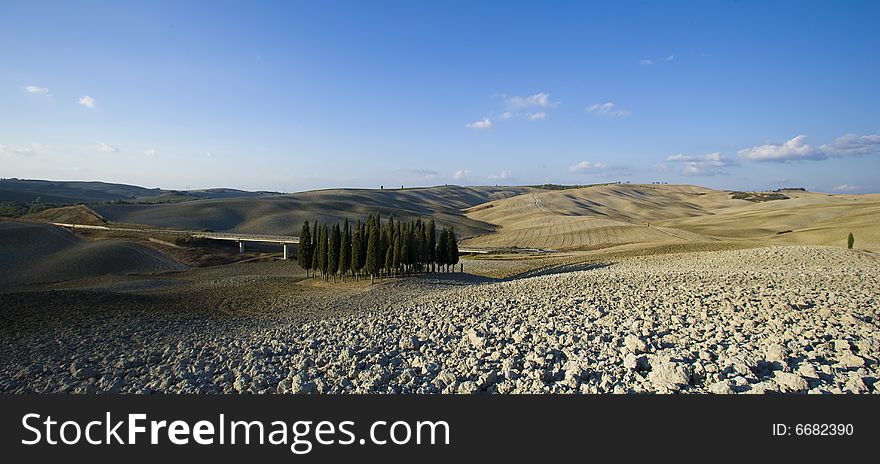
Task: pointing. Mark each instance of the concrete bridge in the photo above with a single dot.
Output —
(284, 240)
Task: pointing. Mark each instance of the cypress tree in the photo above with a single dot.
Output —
(355, 249)
(389, 253)
(362, 256)
(303, 252)
(422, 241)
(386, 240)
(432, 243)
(322, 249)
(451, 248)
(345, 250)
(396, 254)
(333, 251)
(441, 249)
(314, 248)
(407, 247)
(373, 249)
(323, 245)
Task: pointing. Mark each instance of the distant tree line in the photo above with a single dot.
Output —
(376, 249)
(15, 209)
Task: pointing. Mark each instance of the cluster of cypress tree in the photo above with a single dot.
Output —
(375, 248)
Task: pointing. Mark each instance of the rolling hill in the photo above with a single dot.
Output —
(285, 214)
(59, 193)
(610, 215)
(37, 253)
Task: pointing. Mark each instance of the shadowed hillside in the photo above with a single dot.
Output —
(70, 192)
(36, 253)
(285, 214)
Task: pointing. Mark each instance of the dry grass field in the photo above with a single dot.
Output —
(647, 215)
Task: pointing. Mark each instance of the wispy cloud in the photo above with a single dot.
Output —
(87, 101)
(33, 149)
(37, 89)
(853, 145)
(536, 116)
(107, 148)
(424, 174)
(846, 187)
(17, 151)
(650, 61)
(796, 149)
(503, 175)
(150, 152)
(540, 100)
(607, 109)
(484, 123)
(706, 165)
(528, 108)
(586, 166)
(461, 174)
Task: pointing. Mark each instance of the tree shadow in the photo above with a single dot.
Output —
(458, 278)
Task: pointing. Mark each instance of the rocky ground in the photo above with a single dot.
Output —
(780, 319)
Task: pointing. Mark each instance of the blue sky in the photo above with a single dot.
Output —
(298, 95)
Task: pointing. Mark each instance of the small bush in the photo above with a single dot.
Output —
(850, 240)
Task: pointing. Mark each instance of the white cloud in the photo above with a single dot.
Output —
(853, 145)
(37, 89)
(846, 187)
(796, 149)
(793, 149)
(516, 107)
(540, 99)
(586, 166)
(424, 174)
(150, 152)
(484, 123)
(87, 101)
(505, 174)
(107, 148)
(20, 150)
(650, 61)
(209, 154)
(706, 165)
(607, 109)
(461, 174)
(536, 116)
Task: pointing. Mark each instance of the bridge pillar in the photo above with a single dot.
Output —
(286, 254)
(241, 247)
